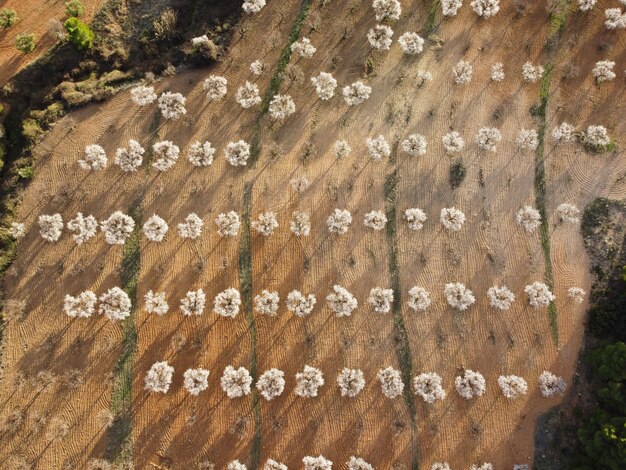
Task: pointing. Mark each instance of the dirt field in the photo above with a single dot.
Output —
(178, 431)
(44, 18)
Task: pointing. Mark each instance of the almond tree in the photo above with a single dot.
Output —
(143, 95)
(159, 378)
(236, 382)
(193, 303)
(615, 19)
(317, 463)
(512, 386)
(440, 465)
(471, 384)
(247, 95)
(17, 230)
(356, 93)
(117, 228)
(216, 87)
(387, 9)
(497, 72)
(452, 218)
(528, 218)
(236, 465)
(419, 298)
(415, 145)
(271, 383)
(95, 158)
(155, 228)
(550, 385)
(415, 218)
(421, 77)
(271, 464)
(265, 224)
(485, 8)
(586, 5)
(577, 294)
(130, 159)
(488, 138)
(257, 68)
(339, 221)
(539, 294)
(253, 6)
(380, 36)
(428, 387)
(196, 380)
(453, 142)
(115, 304)
(166, 154)
(156, 303)
(357, 463)
(300, 224)
(350, 382)
(308, 382)
(299, 304)
(299, 184)
(483, 466)
(303, 48)
(603, 71)
(375, 220)
(500, 298)
(341, 302)
(568, 213)
(411, 43)
(172, 105)
(201, 154)
(378, 148)
(390, 382)
(458, 296)
(81, 306)
(266, 303)
(528, 139)
(228, 224)
(227, 303)
(462, 72)
(237, 153)
(532, 73)
(450, 7)
(381, 299)
(281, 107)
(83, 228)
(563, 133)
(596, 137)
(192, 227)
(325, 85)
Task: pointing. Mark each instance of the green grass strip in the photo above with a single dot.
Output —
(430, 26)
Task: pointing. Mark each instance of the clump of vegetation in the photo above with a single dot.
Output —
(74, 8)
(25, 43)
(8, 18)
(79, 34)
(164, 27)
(457, 173)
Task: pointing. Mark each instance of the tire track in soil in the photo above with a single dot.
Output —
(245, 261)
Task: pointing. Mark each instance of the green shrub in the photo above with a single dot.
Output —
(8, 18)
(79, 33)
(74, 8)
(26, 172)
(31, 130)
(610, 362)
(25, 43)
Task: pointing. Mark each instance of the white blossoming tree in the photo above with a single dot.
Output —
(415, 145)
(129, 159)
(227, 303)
(236, 465)
(378, 148)
(497, 72)
(350, 382)
(596, 138)
(500, 298)
(271, 464)
(603, 71)
(577, 294)
(550, 385)
(236, 382)
(317, 463)
(528, 218)
(568, 213)
(470, 385)
(159, 378)
(357, 463)
(482, 466)
(196, 380)
(428, 387)
(512, 386)
(419, 298)
(341, 302)
(304, 48)
(453, 142)
(265, 224)
(586, 5)
(201, 154)
(375, 220)
(356, 93)
(415, 218)
(172, 105)
(380, 37)
(452, 218)
(237, 153)
(528, 139)
(115, 304)
(308, 382)
(450, 7)
(411, 43)
(339, 221)
(81, 306)
(539, 294)
(117, 228)
(143, 95)
(17, 230)
(253, 6)
(271, 384)
(299, 304)
(615, 18)
(247, 95)
(165, 155)
(387, 10)
(83, 228)
(266, 303)
(421, 77)
(458, 296)
(216, 87)
(485, 8)
(299, 184)
(191, 228)
(257, 67)
(390, 382)
(531, 73)
(462, 72)
(440, 465)
(95, 158)
(564, 132)
(156, 303)
(193, 303)
(380, 299)
(300, 224)
(228, 224)
(281, 107)
(325, 85)
(488, 138)
(155, 228)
